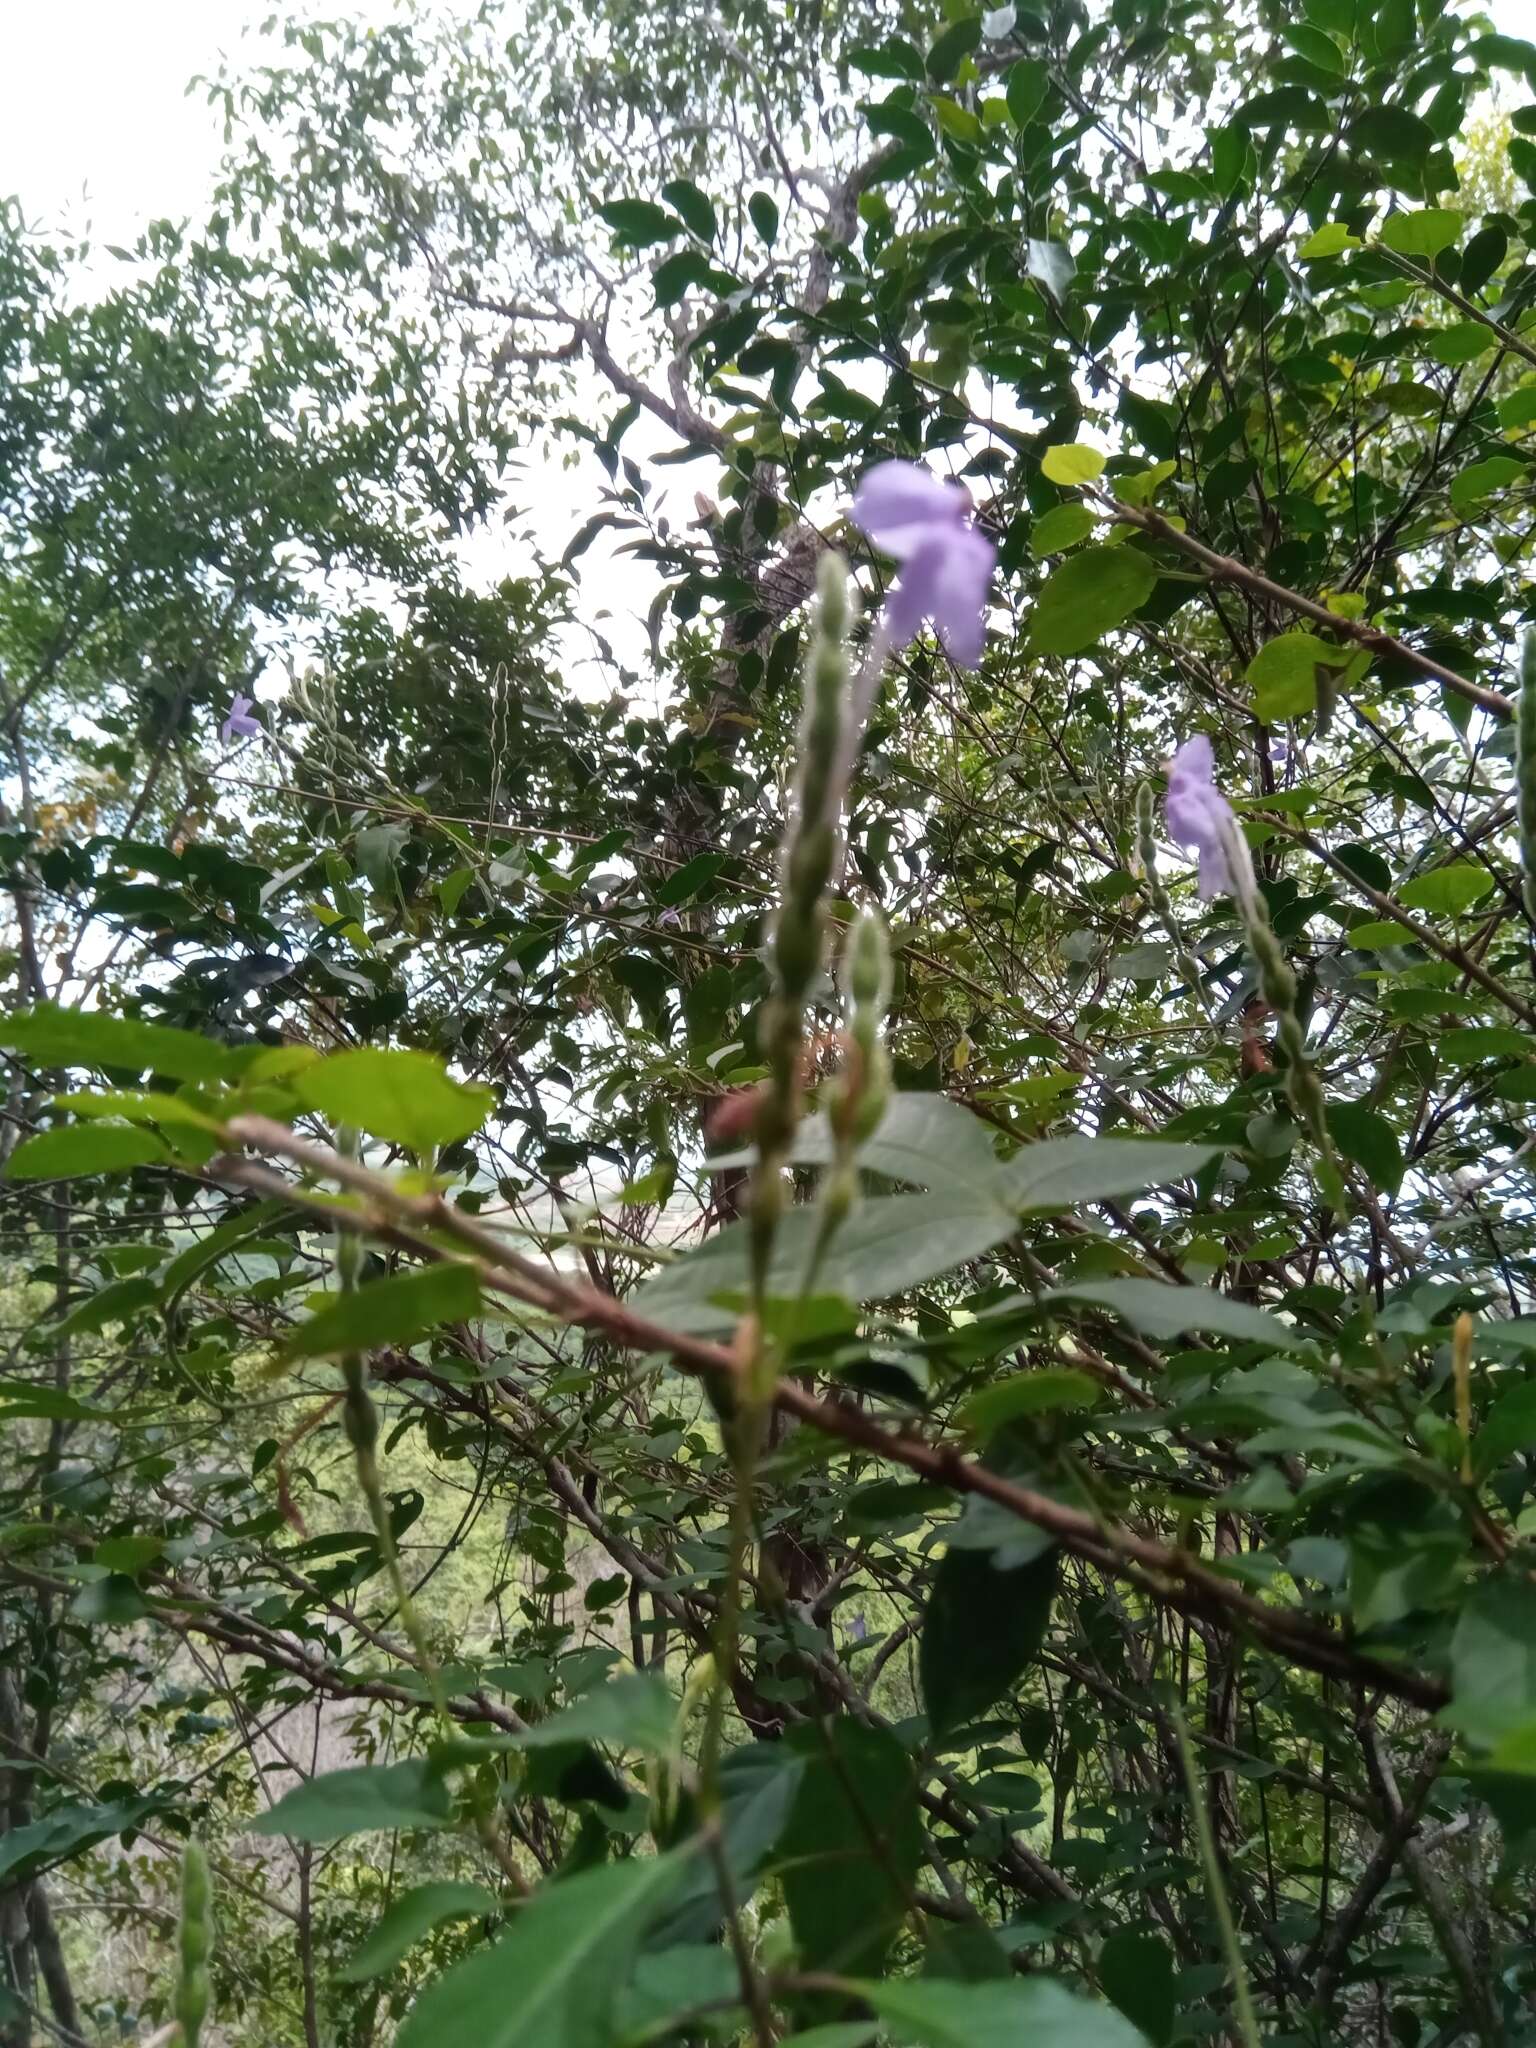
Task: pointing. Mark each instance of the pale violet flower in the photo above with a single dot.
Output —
(1199, 817)
(946, 565)
(239, 719)
(997, 22)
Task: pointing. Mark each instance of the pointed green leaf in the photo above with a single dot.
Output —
(1032, 2013)
(982, 1629)
(552, 1977)
(79, 1149)
(91, 1038)
(412, 1915)
(393, 1311)
(1091, 592)
(407, 1098)
(360, 1801)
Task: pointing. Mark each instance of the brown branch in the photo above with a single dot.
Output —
(418, 1223)
(1226, 569)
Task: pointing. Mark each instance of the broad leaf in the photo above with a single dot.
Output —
(404, 1097)
(982, 1628)
(56, 1037)
(929, 2013)
(853, 1845)
(360, 1801)
(553, 1975)
(1160, 1310)
(414, 1914)
(395, 1311)
(80, 1149)
(1090, 593)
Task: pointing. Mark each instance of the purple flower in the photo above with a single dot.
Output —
(239, 719)
(946, 564)
(1200, 817)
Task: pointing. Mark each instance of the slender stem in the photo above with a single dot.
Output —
(1247, 2021)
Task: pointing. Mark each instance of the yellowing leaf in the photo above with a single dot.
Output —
(1072, 464)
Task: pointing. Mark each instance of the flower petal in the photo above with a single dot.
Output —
(959, 604)
(912, 597)
(900, 504)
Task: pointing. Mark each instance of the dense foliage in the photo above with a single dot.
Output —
(694, 1354)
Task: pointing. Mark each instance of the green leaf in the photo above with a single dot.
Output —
(1519, 408)
(407, 1098)
(1315, 47)
(360, 1801)
(1284, 675)
(981, 1629)
(1091, 592)
(958, 122)
(23, 1400)
(952, 46)
(553, 1976)
(1493, 1659)
(693, 206)
(1060, 1173)
(1464, 1044)
(1462, 343)
(1446, 891)
(638, 222)
(79, 1149)
(1365, 1136)
(1046, 1390)
(1027, 84)
(677, 273)
(68, 1831)
(928, 1141)
(1160, 1310)
(113, 1303)
(1136, 1971)
(412, 1915)
(853, 1844)
(1073, 464)
(1423, 234)
(207, 1251)
(1034, 2013)
(136, 1105)
(1063, 526)
(1508, 1428)
(1395, 135)
(1333, 238)
(1397, 1571)
(393, 1311)
(886, 1246)
(90, 1038)
(632, 1711)
(1479, 480)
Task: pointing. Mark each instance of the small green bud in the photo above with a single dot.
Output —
(869, 962)
(193, 1994)
(360, 1419)
(834, 611)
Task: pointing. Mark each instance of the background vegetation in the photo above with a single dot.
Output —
(1091, 1600)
